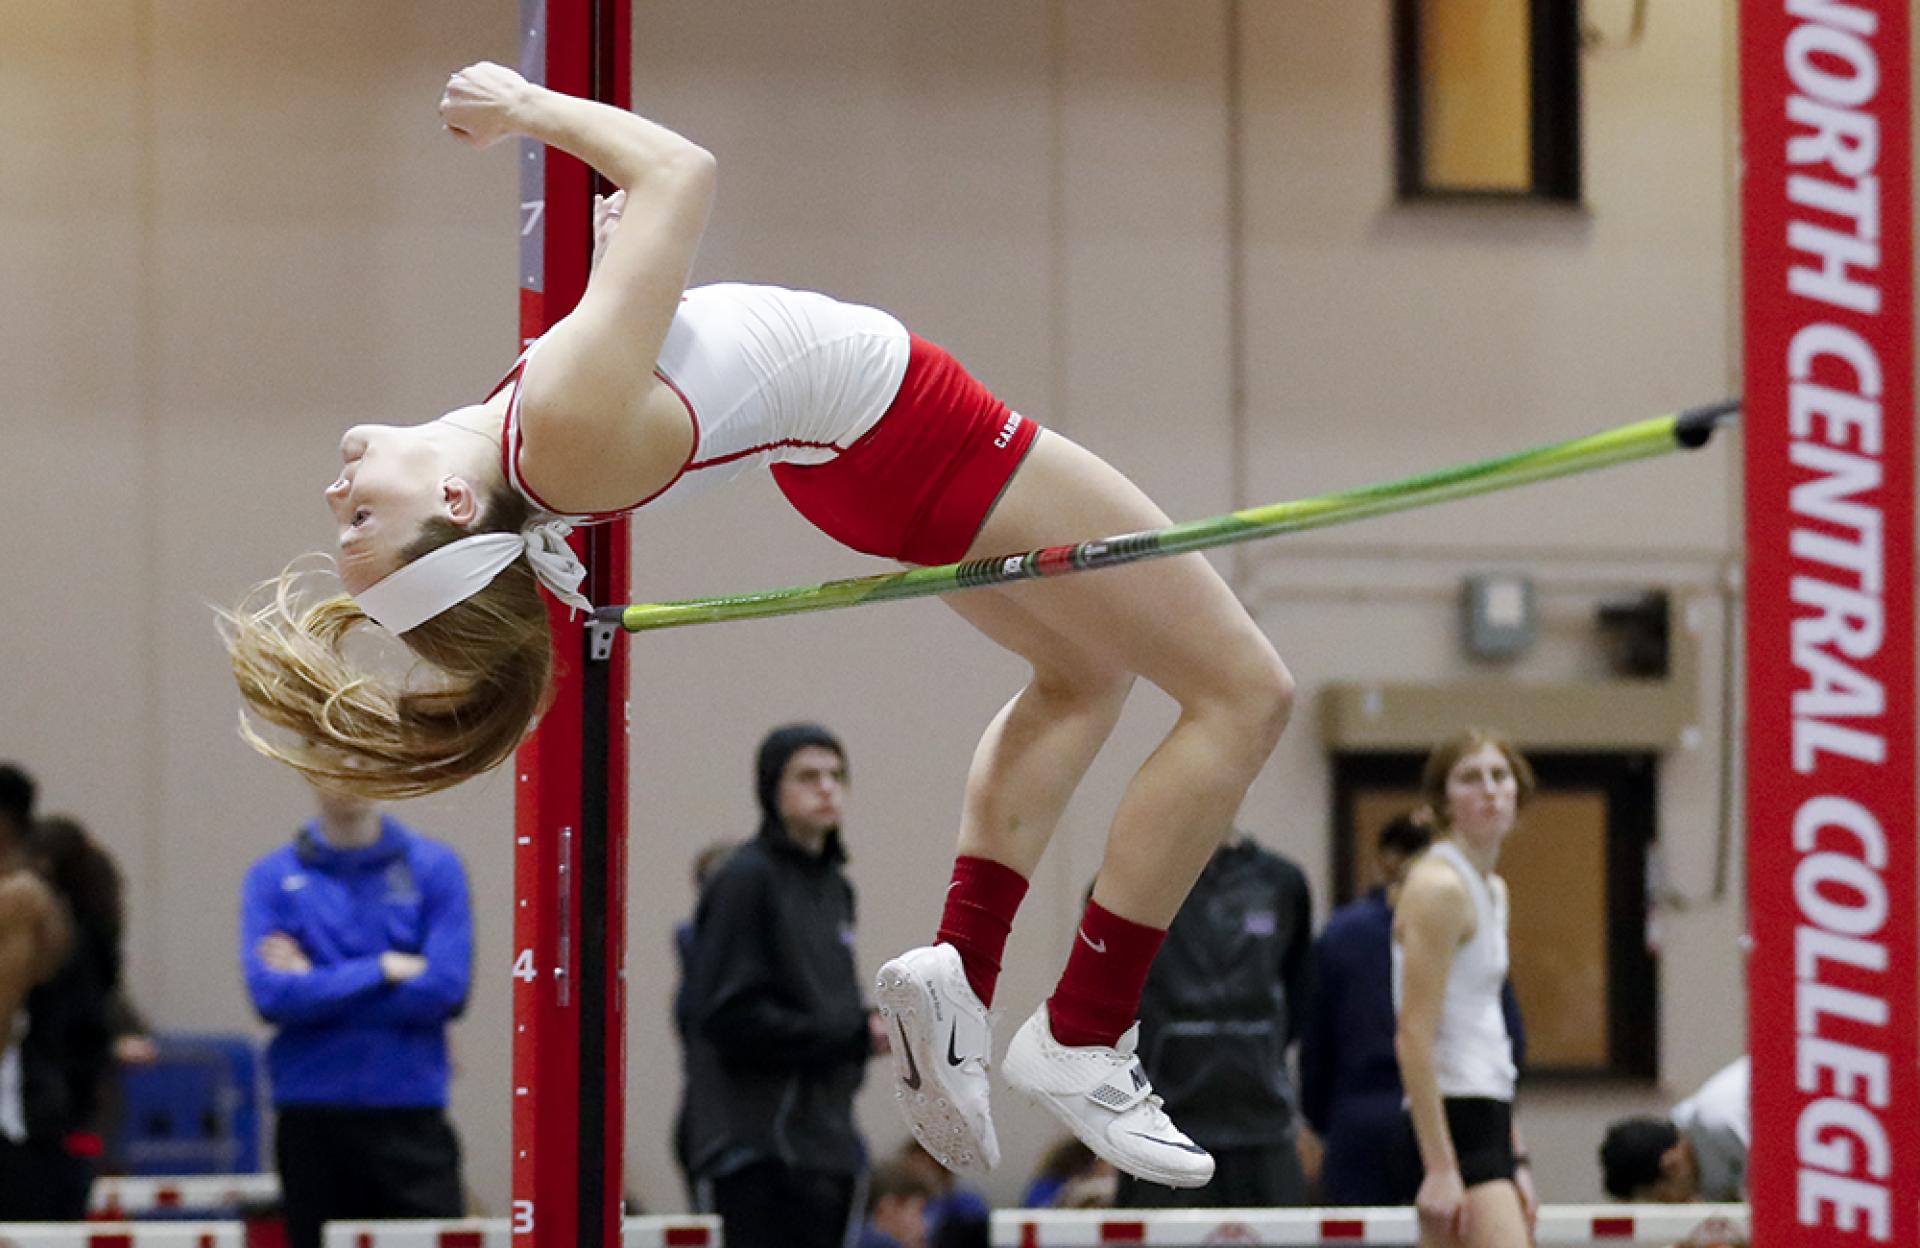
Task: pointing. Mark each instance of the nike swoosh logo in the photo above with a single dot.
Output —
(1098, 946)
(912, 1079)
(953, 1057)
(1183, 1147)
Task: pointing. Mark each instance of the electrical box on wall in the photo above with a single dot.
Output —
(1637, 633)
(1496, 616)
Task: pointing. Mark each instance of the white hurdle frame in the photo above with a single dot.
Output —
(115, 1197)
(123, 1235)
(691, 1231)
(1560, 1226)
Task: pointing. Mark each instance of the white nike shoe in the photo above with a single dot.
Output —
(942, 1050)
(1103, 1096)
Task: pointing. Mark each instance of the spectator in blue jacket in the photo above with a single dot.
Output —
(357, 945)
(1350, 1087)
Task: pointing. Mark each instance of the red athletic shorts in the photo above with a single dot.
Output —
(920, 483)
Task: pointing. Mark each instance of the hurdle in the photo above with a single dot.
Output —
(1560, 1226)
(113, 1198)
(123, 1234)
(646, 1232)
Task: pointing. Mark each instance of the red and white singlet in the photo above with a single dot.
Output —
(876, 436)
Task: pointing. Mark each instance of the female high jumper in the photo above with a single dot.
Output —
(648, 391)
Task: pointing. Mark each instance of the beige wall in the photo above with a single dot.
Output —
(227, 230)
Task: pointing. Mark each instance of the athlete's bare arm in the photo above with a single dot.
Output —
(582, 407)
(1433, 917)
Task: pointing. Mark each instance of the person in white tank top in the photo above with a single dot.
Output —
(1449, 963)
(448, 532)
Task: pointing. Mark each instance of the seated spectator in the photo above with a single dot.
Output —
(956, 1216)
(1698, 1153)
(1067, 1166)
(897, 1195)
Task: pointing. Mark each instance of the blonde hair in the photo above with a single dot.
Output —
(355, 732)
(1433, 777)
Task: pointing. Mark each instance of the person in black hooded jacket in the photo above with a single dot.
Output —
(1224, 1002)
(777, 1032)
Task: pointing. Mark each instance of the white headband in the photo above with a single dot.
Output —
(453, 573)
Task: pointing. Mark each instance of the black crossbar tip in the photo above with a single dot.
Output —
(609, 615)
(1693, 427)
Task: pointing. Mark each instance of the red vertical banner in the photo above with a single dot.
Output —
(570, 779)
(1827, 207)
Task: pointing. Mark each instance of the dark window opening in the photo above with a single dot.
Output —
(1488, 99)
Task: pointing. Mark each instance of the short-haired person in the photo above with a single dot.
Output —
(1699, 1152)
(956, 1215)
(648, 391)
(1449, 964)
(356, 943)
(1066, 1166)
(897, 1196)
(705, 864)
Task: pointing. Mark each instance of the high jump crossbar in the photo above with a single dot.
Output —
(1686, 430)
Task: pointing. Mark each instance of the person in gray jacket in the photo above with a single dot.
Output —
(1698, 1152)
(777, 1033)
(1224, 1002)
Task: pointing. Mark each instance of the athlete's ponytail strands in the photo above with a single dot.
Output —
(352, 731)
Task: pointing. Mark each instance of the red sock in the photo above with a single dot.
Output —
(981, 903)
(1098, 996)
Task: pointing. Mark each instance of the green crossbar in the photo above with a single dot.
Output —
(1641, 440)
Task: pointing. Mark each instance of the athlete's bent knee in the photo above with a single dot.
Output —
(1269, 695)
(1253, 708)
(1099, 693)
